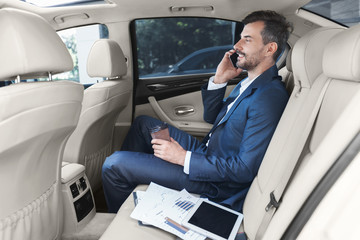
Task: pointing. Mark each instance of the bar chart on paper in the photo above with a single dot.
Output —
(180, 208)
(184, 205)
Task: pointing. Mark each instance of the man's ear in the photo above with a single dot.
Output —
(271, 48)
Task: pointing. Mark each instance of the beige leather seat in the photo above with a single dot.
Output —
(290, 135)
(285, 144)
(36, 119)
(337, 125)
(91, 142)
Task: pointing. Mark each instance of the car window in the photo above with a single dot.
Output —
(181, 46)
(346, 12)
(205, 59)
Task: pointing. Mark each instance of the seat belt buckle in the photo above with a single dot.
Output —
(272, 203)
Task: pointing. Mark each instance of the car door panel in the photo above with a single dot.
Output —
(191, 122)
(179, 103)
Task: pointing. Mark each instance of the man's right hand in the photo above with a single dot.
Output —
(225, 70)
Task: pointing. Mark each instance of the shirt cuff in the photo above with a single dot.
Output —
(187, 162)
(214, 86)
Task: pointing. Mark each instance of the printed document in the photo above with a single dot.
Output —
(166, 208)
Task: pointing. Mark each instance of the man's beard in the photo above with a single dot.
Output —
(249, 63)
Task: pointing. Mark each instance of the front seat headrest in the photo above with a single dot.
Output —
(25, 51)
(106, 59)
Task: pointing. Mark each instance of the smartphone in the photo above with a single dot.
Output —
(233, 59)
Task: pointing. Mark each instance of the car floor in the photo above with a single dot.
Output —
(94, 229)
(100, 201)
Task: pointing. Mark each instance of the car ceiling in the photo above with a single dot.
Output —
(127, 10)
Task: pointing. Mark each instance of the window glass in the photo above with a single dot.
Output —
(346, 12)
(181, 46)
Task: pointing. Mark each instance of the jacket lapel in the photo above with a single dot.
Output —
(267, 76)
(249, 91)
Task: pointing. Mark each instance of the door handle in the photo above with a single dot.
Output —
(181, 111)
(159, 112)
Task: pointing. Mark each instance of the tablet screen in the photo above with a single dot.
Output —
(214, 219)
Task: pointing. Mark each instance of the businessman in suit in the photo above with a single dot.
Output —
(224, 164)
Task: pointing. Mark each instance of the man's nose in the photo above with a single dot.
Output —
(238, 45)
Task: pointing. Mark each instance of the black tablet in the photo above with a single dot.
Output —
(213, 220)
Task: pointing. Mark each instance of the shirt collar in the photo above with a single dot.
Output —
(246, 82)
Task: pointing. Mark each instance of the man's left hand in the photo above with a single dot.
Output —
(170, 151)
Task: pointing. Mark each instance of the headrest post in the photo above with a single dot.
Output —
(17, 79)
(113, 78)
(299, 92)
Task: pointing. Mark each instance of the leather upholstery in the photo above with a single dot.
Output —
(36, 119)
(106, 59)
(285, 144)
(25, 52)
(307, 59)
(337, 124)
(91, 142)
(343, 64)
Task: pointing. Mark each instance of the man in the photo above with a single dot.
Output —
(224, 164)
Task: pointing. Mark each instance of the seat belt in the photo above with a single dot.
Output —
(276, 194)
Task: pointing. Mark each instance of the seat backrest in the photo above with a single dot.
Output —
(36, 119)
(337, 124)
(289, 137)
(91, 142)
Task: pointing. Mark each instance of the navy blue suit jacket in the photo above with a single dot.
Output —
(238, 144)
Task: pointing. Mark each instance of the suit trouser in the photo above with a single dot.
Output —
(135, 164)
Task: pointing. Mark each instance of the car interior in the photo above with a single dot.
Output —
(75, 74)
